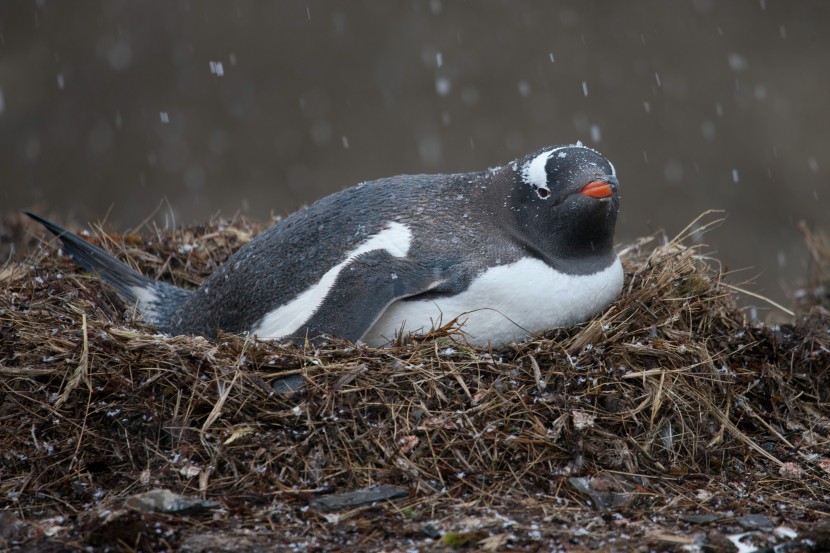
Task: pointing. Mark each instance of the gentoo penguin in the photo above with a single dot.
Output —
(511, 252)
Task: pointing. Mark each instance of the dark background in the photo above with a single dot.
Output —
(108, 107)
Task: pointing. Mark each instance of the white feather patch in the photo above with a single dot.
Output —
(613, 169)
(147, 302)
(395, 239)
(507, 303)
(535, 174)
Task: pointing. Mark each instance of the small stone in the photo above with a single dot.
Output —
(704, 518)
(755, 522)
(357, 498)
(791, 470)
(289, 384)
(165, 501)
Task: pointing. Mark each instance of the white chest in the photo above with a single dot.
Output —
(507, 303)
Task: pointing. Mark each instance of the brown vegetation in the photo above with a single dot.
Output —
(669, 420)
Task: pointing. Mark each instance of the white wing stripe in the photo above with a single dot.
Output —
(396, 239)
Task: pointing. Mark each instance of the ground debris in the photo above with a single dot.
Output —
(702, 518)
(227, 542)
(680, 420)
(357, 498)
(755, 522)
(606, 492)
(165, 501)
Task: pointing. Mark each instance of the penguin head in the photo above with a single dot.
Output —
(567, 199)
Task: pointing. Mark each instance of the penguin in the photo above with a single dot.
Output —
(506, 253)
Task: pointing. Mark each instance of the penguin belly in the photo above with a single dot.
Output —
(506, 304)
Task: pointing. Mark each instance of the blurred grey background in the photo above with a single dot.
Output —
(107, 107)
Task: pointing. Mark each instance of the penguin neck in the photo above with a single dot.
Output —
(581, 245)
(567, 254)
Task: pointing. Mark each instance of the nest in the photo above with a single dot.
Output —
(668, 405)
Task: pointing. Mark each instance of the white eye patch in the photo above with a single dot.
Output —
(534, 172)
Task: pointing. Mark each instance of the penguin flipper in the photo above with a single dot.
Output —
(154, 299)
(365, 289)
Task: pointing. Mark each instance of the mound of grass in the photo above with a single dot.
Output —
(668, 420)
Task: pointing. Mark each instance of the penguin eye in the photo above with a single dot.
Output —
(543, 192)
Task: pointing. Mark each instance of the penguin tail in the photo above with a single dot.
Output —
(157, 301)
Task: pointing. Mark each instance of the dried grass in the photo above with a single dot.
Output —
(671, 397)
(816, 291)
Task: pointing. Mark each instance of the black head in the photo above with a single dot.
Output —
(565, 200)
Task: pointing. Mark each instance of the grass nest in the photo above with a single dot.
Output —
(669, 420)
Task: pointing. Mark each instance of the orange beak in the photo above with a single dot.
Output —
(597, 189)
